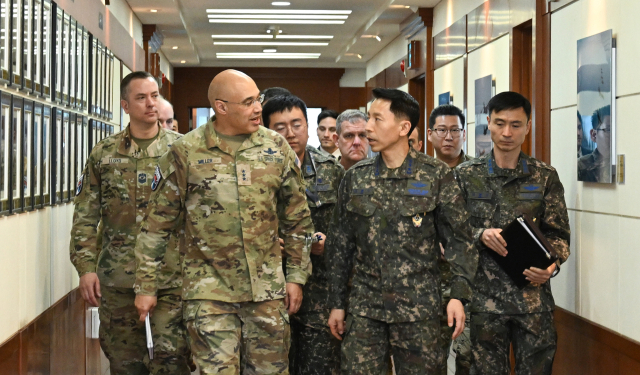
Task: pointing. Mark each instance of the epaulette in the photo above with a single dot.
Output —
(539, 164)
(321, 157)
(363, 162)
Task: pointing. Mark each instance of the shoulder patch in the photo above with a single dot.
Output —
(157, 177)
(79, 186)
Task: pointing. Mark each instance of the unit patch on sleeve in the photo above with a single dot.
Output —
(157, 177)
(79, 186)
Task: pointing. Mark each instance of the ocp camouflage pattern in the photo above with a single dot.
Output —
(115, 192)
(387, 226)
(232, 210)
(495, 197)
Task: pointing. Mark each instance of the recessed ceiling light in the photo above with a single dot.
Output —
(400, 6)
(183, 61)
(279, 31)
(268, 31)
(270, 44)
(378, 39)
(290, 22)
(281, 16)
(277, 11)
(174, 47)
(242, 36)
(154, 11)
(269, 50)
(280, 3)
(277, 55)
(371, 36)
(286, 36)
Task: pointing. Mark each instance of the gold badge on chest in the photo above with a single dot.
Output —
(417, 221)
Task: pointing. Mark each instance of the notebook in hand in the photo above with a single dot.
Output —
(527, 247)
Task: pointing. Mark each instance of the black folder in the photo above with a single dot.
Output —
(527, 247)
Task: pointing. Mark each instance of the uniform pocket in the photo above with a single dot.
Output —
(419, 211)
(481, 213)
(361, 205)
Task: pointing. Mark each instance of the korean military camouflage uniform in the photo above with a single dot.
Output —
(231, 208)
(314, 350)
(591, 167)
(386, 227)
(462, 344)
(114, 191)
(501, 312)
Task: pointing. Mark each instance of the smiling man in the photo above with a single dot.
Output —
(390, 214)
(232, 185)
(314, 351)
(498, 187)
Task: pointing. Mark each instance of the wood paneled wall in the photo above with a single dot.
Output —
(53, 343)
(318, 87)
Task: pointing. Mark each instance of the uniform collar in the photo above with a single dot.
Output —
(308, 167)
(404, 171)
(523, 168)
(211, 137)
(129, 147)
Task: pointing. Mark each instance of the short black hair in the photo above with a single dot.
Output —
(124, 84)
(272, 92)
(280, 104)
(509, 100)
(598, 116)
(327, 113)
(445, 110)
(403, 105)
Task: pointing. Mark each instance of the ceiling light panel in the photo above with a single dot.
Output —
(241, 36)
(270, 44)
(281, 21)
(281, 16)
(276, 11)
(280, 3)
(263, 55)
(304, 36)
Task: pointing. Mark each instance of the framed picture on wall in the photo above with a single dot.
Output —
(36, 37)
(47, 47)
(68, 163)
(27, 46)
(58, 154)
(596, 108)
(74, 138)
(484, 93)
(86, 77)
(47, 154)
(445, 98)
(66, 46)
(5, 155)
(28, 155)
(38, 164)
(5, 42)
(17, 161)
(79, 66)
(110, 65)
(58, 55)
(86, 148)
(16, 43)
(99, 74)
(73, 72)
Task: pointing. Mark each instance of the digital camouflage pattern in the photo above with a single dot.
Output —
(369, 343)
(495, 197)
(314, 350)
(386, 227)
(123, 336)
(534, 341)
(592, 167)
(114, 191)
(215, 329)
(462, 345)
(231, 209)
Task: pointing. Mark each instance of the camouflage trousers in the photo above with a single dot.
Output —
(461, 345)
(227, 337)
(533, 337)
(368, 344)
(314, 350)
(123, 336)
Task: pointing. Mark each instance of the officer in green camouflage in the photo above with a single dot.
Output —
(499, 187)
(391, 214)
(447, 135)
(114, 191)
(232, 185)
(313, 349)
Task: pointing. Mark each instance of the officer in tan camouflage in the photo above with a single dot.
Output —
(114, 191)
(233, 185)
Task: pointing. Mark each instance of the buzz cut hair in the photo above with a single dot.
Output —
(126, 81)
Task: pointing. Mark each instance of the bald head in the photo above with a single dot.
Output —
(165, 113)
(234, 98)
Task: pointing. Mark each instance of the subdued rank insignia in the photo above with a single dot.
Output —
(481, 195)
(157, 177)
(360, 191)
(244, 174)
(142, 178)
(309, 169)
(79, 186)
(417, 221)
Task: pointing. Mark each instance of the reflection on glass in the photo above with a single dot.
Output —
(37, 45)
(72, 64)
(27, 149)
(4, 156)
(65, 59)
(79, 67)
(15, 41)
(58, 56)
(16, 173)
(4, 39)
(38, 159)
(46, 43)
(27, 44)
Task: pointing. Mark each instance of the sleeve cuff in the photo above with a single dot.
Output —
(85, 268)
(460, 289)
(145, 288)
(296, 275)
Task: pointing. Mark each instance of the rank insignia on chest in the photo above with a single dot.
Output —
(486, 195)
(142, 178)
(157, 177)
(79, 186)
(244, 174)
(417, 221)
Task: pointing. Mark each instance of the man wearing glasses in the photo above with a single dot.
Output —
(447, 135)
(596, 166)
(233, 185)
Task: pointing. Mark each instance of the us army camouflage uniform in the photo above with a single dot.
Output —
(114, 191)
(462, 344)
(501, 312)
(231, 208)
(387, 226)
(314, 350)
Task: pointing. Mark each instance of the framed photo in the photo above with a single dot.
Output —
(58, 159)
(38, 160)
(5, 154)
(17, 155)
(16, 45)
(66, 47)
(73, 67)
(47, 48)
(86, 77)
(66, 149)
(79, 66)
(99, 79)
(58, 61)
(93, 80)
(73, 155)
(47, 147)
(109, 96)
(93, 135)
(27, 45)
(86, 145)
(36, 41)
(28, 155)
(5, 41)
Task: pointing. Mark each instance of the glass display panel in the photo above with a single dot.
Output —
(27, 45)
(79, 154)
(59, 160)
(99, 80)
(66, 151)
(73, 154)
(79, 67)
(58, 60)
(36, 38)
(47, 43)
(16, 38)
(38, 160)
(73, 72)
(93, 64)
(5, 129)
(46, 154)
(17, 172)
(66, 39)
(86, 78)
(5, 46)
(28, 154)
(86, 146)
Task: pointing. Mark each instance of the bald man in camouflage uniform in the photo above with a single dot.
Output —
(114, 191)
(499, 187)
(232, 184)
(314, 351)
(392, 212)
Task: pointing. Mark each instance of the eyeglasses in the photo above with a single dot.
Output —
(442, 132)
(606, 130)
(247, 103)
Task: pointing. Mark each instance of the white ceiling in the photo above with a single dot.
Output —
(184, 23)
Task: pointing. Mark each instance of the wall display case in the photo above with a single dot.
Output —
(36, 45)
(66, 155)
(5, 152)
(5, 40)
(16, 39)
(40, 161)
(17, 161)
